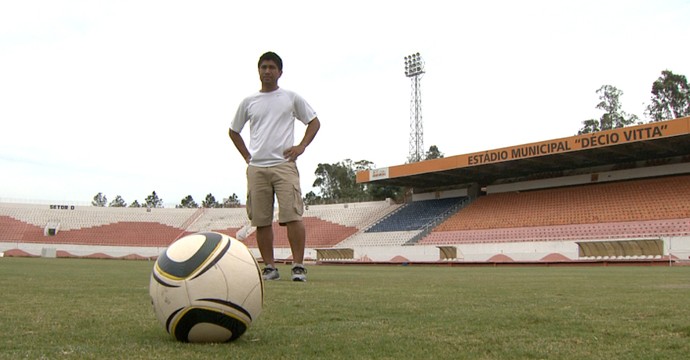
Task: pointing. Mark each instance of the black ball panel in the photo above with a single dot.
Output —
(194, 316)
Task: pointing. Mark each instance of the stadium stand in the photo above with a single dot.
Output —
(623, 210)
(328, 225)
(635, 208)
(78, 217)
(224, 220)
(418, 215)
(92, 225)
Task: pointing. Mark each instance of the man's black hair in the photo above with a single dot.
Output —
(273, 57)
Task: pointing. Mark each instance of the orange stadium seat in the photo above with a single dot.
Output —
(631, 208)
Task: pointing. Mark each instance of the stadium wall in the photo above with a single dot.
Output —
(677, 248)
(534, 251)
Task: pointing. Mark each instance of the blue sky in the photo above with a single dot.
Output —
(130, 97)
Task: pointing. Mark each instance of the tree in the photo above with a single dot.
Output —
(210, 202)
(327, 177)
(118, 202)
(382, 192)
(152, 201)
(232, 201)
(99, 200)
(135, 204)
(670, 97)
(187, 203)
(613, 117)
(312, 199)
(433, 153)
(338, 181)
(591, 126)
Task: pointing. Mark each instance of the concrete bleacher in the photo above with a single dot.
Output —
(359, 215)
(319, 234)
(131, 227)
(329, 225)
(418, 215)
(381, 238)
(611, 210)
(78, 217)
(219, 219)
(634, 200)
(92, 225)
(404, 223)
(621, 230)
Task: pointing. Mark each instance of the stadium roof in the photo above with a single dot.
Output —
(658, 140)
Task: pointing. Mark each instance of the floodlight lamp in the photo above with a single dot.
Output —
(413, 65)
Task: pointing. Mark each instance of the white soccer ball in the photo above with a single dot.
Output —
(206, 287)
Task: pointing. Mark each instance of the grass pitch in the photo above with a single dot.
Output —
(100, 309)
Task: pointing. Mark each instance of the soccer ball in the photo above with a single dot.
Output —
(206, 287)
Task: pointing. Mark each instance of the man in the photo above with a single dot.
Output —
(271, 156)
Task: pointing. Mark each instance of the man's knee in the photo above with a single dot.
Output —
(294, 223)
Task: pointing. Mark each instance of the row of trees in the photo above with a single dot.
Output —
(153, 201)
(336, 183)
(670, 100)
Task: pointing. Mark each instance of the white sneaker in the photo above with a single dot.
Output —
(270, 273)
(299, 273)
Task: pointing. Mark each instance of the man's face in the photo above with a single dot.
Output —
(269, 73)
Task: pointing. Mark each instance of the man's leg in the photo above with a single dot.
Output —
(297, 237)
(290, 209)
(264, 239)
(260, 211)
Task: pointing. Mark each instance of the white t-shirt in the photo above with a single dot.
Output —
(271, 118)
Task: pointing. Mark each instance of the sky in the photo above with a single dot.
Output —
(130, 97)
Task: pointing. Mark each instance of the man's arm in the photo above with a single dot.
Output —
(240, 145)
(297, 150)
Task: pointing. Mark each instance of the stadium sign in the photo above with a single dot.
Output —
(606, 138)
(62, 207)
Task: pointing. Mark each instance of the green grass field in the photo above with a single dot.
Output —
(100, 309)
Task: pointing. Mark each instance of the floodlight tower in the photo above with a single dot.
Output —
(414, 69)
